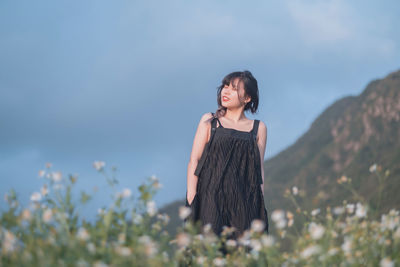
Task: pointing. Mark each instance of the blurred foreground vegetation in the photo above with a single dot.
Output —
(132, 231)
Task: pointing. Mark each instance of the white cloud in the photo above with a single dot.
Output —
(322, 22)
(337, 25)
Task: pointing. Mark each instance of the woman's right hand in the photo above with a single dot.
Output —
(190, 198)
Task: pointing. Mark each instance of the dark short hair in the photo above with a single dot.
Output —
(250, 88)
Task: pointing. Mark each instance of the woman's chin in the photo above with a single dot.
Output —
(225, 105)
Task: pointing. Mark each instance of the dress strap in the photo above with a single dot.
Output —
(220, 124)
(213, 123)
(213, 126)
(254, 131)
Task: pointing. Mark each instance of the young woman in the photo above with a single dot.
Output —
(225, 179)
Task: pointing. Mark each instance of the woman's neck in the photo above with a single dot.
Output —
(235, 115)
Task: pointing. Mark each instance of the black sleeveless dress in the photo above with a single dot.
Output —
(229, 177)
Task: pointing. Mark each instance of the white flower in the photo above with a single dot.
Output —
(207, 228)
(277, 215)
(218, 261)
(36, 196)
(255, 244)
(244, 239)
(9, 241)
(91, 248)
(137, 218)
(397, 233)
(310, 250)
(281, 224)
(289, 215)
(257, 225)
(226, 230)
(150, 246)
(394, 212)
(56, 176)
(389, 222)
(123, 251)
(101, 211)
(144, 239)
(47, 215)
(295, 190)
(184, 212)
(350, 208)
(82, 234)
(82, 263)
(156, 226)
(157, 185)
(99, 264)
(361, 210)
(183, 239)
(334, 234)
(386, 262)
(201, 260)
(26, 215)
(153, 178)
(343, 179)
(346, 246)
(151, 208)
(333, 251)
(126, 193)
(199, 237)
(163, 217)
(231, 243)
(315, 212)
(99, 165)
(338, 210)
(42, 173)
(267, 240)
(372, 168)
(316, 230)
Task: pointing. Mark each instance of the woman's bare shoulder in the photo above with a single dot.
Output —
(206, 117)
(262, 129)
(262, 125)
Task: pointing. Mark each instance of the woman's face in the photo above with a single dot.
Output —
(232, 95)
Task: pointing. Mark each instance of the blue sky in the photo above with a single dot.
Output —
(126, 82)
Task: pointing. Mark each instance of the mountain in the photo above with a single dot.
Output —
(346, 139)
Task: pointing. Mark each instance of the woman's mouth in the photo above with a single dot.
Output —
(224, 98)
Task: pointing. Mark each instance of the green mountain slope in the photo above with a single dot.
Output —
(348, 137)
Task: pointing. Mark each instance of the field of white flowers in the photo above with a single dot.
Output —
(50, 232)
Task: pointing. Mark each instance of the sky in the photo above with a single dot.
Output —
(126, 82)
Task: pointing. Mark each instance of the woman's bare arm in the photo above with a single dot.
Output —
(201, 138)
(261, 142)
